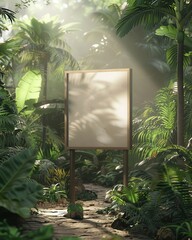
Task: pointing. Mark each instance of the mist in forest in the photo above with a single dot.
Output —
(108, 52)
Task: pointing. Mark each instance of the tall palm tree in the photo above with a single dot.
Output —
(44, 49)
(149, 14)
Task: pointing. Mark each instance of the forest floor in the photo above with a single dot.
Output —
(93, 226)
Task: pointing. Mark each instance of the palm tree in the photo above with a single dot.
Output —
(43, 49)
(151, 13)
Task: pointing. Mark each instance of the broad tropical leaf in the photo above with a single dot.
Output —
(28, 90)
(17, 194)
(169, 31)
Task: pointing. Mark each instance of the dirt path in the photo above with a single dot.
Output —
(94, 226)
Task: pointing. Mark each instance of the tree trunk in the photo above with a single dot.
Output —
(180, 99)
(44, 90)
(180, 55)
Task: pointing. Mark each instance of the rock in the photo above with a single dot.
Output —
(108, 196)
(165, 233)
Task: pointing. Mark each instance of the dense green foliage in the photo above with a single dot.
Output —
(173, 18)
(17, 192)
(35, 58)
(158, 194)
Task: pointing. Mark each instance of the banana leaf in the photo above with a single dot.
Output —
(28, 91)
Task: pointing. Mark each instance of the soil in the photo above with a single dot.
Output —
(93, 226)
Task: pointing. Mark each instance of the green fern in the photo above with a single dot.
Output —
(157, 125)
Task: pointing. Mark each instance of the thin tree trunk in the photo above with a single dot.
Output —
(45, 69)
(44, 130)
(180, 99)
(180, 55)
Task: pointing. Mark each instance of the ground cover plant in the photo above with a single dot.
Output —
(8, 232)
(158, 195)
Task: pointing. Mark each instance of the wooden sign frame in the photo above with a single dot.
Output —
(98, 109)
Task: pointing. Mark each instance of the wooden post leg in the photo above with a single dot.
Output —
(125, 168)
(72, 176)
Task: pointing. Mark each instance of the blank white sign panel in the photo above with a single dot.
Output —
(98, 109)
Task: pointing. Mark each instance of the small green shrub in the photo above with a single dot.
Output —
(41, 171)
(9, 232)
(58, 175)
(75, 211)
(54, 193)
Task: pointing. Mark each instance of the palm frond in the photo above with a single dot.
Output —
(171, 56)
(7, 121)
(166, 104)
(144, 15)
(187, 13)
(108, 16)
(188, 102)
(7, 14)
